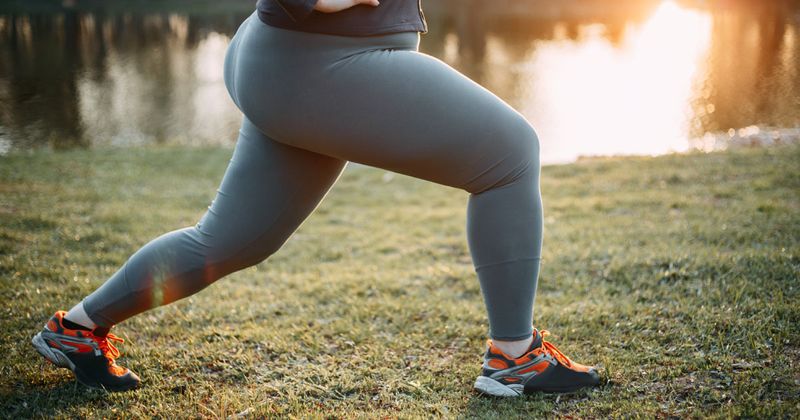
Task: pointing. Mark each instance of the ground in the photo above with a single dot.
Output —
(678, 274)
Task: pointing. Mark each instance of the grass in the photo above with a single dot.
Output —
(679, 274)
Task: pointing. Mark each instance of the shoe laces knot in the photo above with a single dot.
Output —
(107, 347)
(552, 350)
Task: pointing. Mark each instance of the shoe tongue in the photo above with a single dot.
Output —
(537, 340)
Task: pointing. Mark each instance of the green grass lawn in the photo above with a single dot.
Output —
(679, 274)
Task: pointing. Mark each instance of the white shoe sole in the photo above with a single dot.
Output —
(53, 355)
(489, 386)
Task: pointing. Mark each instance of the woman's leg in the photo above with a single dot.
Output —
(411, 113)
(401, 110)
(267, 191)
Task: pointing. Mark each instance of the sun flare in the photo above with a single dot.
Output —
(647, 79)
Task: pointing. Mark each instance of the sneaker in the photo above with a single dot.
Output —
(543, 368)
(90, 355)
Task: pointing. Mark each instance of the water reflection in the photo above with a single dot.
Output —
(594, 76)
(90, 78)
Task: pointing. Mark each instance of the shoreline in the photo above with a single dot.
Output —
(752, 137)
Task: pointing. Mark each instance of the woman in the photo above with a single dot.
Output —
(320, 83)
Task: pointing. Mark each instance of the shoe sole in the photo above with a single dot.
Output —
(488, 386)
(58, 358)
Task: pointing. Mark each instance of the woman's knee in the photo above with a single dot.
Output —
(525, 142)
(515, 156)
(230, 250)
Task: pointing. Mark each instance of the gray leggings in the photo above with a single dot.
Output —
(311, 103)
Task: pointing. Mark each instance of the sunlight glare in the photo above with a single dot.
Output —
(647, 82)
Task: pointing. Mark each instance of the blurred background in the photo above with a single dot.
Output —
(595, 77)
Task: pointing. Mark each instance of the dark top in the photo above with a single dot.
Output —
(390, 16)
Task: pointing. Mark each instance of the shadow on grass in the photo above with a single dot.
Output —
(47, 399)
(532, 406)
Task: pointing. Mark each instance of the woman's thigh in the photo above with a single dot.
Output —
(268, 190)
(403, 111)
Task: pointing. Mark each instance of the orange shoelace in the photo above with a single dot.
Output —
(108, 349)
(553, 350)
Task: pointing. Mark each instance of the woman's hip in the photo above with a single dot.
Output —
(267, 66)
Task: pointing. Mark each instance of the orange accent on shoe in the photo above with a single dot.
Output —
(561, 357)
(59, 315)
(525, 358)
(111, 353)
(117, 370)
(539, 367)
(105, 344)
(498, 364)
(580, 368)
(496, 351)
(61, 329)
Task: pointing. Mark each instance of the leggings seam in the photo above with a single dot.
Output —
(478, 267)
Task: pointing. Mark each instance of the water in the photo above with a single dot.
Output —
(595, 77)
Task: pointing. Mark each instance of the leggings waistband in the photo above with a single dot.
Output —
(308, 42)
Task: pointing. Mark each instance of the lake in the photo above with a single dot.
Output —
(595, 77)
